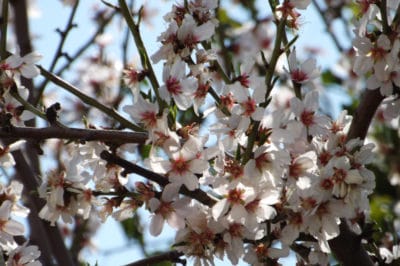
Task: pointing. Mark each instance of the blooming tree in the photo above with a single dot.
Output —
(228, 144)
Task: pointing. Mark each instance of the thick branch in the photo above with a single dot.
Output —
(113, 136)
(24, 42)
(3, 27)
(172, 256)
(365, 112)
(347, 246)
(129, 167)
(348, 249)
(47, 237)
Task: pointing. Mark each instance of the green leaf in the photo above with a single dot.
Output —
(133, 229)
(329, 78)
(381, 209)
(161, 263)
(355, 9)
(145, 151)
(224, 19)
(352, 107)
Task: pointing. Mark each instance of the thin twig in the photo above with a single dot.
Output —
(27, 105)
(70, 25)
(80, 51)
(328, 27)
(172, 256)
(276, 53)
(396, 18)
(225, 55)
(144, 57)
(89, 100)
(129, 167)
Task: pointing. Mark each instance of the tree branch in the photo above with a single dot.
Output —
(129, 167)
(78, 53)
(362, 117)
(70, 25)
(347, 247)
(113, 136)
(328, 26)
(48, 238)
(88, 100)
(4, 23)
(173, 256)
(144, 57)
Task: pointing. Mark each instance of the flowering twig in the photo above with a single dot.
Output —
(48, 237)
(89, 100)
(129, 167)
(224, 51)
(27, 105)
(111, 136)
(144, 57)
(276, 53)
(172, 256)
(268, 82)
(125, 42)
(347, 246)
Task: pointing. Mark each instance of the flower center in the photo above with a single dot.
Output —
(235, 196)
(249, 107)
(180, 166)
(173, 86)
(339, 175)
(298, 76)
(149, 118)
(307, 118)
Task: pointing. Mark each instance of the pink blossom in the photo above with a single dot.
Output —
(24, 255)
(170, 209)
(177, 85)
(306, 113)
(183, 164)
(24, 65)
(304, 73)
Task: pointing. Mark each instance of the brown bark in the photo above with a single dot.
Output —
(39, 134)
(49, 239)
(347, 247)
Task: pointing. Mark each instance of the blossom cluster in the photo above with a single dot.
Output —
(15, 253)
(12, 69)
(13, 113)
(277, 172)
(300, 165)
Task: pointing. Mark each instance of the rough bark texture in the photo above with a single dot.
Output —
(49, 239)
